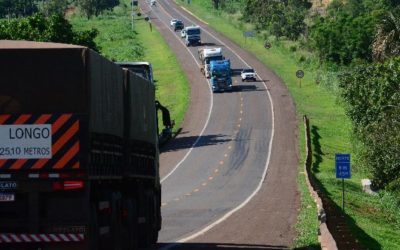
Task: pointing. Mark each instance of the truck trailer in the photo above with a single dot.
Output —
(221, 78)
(206, 55)
(79, 161)
(192, 35)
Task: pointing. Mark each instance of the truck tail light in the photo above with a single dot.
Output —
(67, 185)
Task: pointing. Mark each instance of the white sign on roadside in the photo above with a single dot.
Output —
(25, 141)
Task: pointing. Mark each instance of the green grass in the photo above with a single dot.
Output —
(330, 130)
(172, 85)
(119, 42)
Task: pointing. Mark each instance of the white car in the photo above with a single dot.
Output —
(248, 74)
(173, 21)
(183, 33)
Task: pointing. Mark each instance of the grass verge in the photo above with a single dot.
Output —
(119, 42)
(330, 131)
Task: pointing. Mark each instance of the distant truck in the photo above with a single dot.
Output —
(221, 78)
(145, 70)
(206, 55)
(79, 161)
(192, 35)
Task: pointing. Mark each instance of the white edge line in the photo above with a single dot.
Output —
(198, 18)
(211, 101)
(225, 216)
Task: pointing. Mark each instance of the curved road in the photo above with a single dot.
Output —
(229, 143)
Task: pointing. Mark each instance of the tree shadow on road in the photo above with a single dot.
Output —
(184, 142)
(216, 246)
(245, 88)
(208, 44)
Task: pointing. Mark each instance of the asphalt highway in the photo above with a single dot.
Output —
(218, 164)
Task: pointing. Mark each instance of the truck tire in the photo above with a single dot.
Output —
(155, 222)
(93, 228)
(131, 226)
(116, 223)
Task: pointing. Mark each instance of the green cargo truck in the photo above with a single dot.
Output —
(78, 151)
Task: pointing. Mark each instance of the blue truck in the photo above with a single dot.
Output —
(221, 78)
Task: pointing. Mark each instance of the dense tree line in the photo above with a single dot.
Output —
(280, 18)
(16, 8)
(372, 92)
(46, 29)
(96, 7)
(347, 31)
(21, 8)
(363, 37)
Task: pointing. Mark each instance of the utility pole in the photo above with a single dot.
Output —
(132, 14)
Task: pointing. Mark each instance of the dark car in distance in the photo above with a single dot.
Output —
(178, 25)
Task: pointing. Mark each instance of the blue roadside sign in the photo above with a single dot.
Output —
(343, 170)
(249, 33)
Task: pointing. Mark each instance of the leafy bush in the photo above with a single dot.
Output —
(373, 97)
(282, 18)
(46, 29)
(347, 32)
(390, 207)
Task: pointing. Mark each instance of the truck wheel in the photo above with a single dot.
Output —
(131, 226)
(154, 215)
(93, 228)
(116, 221)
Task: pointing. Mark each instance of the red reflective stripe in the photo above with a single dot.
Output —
(65, 137)
(42, 119)
(76, 165)
(61, 141)
(18, 164)
(44, 237)
(60, 121)
(20, 238)
(22, 119)
(68, 156)
(4, 118)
